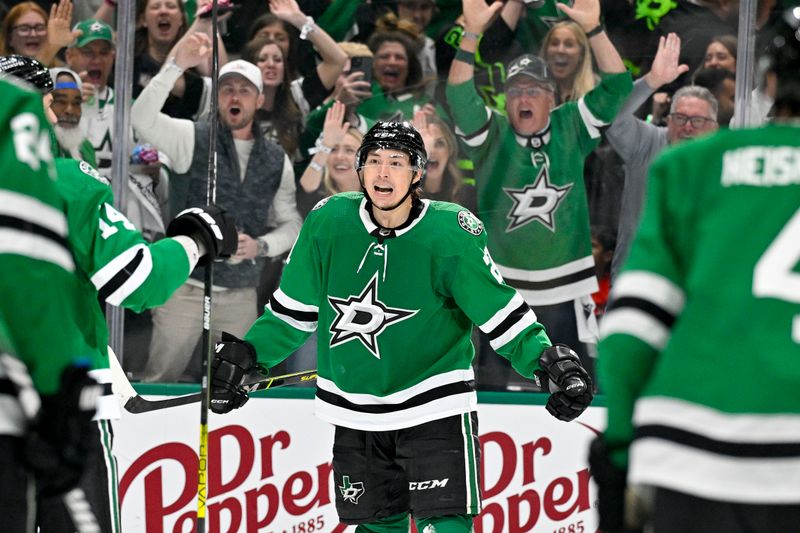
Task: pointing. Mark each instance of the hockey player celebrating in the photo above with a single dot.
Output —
(394, 284)
(115, 265)
(707, 302)
(44, 425)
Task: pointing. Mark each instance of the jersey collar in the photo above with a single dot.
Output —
(537, 140)
(418, 210)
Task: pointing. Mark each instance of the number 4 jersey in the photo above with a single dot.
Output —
(701, 347)
(394, 310)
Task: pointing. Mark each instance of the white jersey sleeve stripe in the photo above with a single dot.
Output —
(114, 273)
(290, 303)
(309, 326)
(528, 319)
(24, 207)
(502, 314)
(635, 322)
(591, 122)
(650, 287)
(13, 241)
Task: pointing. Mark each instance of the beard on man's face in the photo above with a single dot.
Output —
(69, 136)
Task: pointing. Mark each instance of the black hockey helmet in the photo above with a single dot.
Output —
(27, 69)
(781, 56)
(394, 136)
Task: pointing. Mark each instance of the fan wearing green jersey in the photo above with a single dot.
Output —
(529, 170)
(44, 425)
(114, 264)
(699, 348)
(393, 284)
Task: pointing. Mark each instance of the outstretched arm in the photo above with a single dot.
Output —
(477, 17)
(173, 136)
(333, 57)
(586, 13)
(59, 33)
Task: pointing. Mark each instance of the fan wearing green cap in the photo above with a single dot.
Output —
(529, 173)
(92, 57)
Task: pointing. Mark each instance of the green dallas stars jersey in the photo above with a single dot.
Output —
(394, 310)
(531, 193)
(117, 265)
(700, 353)
(38, 289)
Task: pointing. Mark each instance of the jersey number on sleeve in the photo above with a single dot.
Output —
(115, 218)
(774, 275)
(492, 267)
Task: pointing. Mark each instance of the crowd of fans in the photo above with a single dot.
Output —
(528, 115)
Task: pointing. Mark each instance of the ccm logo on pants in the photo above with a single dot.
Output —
(425, 485)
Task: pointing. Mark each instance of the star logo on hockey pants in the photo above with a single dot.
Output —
(536, 202)
(351, 492)
(364, 317)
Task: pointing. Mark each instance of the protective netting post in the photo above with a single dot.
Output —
(745, 64)
(121, 136)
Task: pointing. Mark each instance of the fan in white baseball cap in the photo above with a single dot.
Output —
(245, 69)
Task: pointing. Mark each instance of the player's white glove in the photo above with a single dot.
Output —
(570, 384)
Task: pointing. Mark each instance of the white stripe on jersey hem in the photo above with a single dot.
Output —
(454, 376)
(13, 241)
(707, 475)
(502, 314)
(528, 319)
(635, 322)
(651, 287)
(715, 424)
(296, 324)
(480, 139)
(456, 404)
(134, 280)
(591, 122)
(548, 273)
(34, 211)
(290, 303)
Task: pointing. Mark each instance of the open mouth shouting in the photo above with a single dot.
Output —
(391, 77)
(95, 77)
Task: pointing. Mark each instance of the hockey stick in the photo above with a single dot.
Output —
(137, 404)
(205, 369)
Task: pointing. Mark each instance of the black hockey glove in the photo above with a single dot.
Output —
(611, 484)
(212, 228)
(571, 386)
(234, 360)
(61, 436)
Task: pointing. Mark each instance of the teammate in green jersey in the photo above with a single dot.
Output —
(394, 283)
(44, 425)
(699, 350)
(115, 265)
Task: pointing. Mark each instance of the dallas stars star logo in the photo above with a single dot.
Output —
(96, 27)
(351, 492)
(536, 202)
(364, 317)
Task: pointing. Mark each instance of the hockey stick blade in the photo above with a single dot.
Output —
(137, 404)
